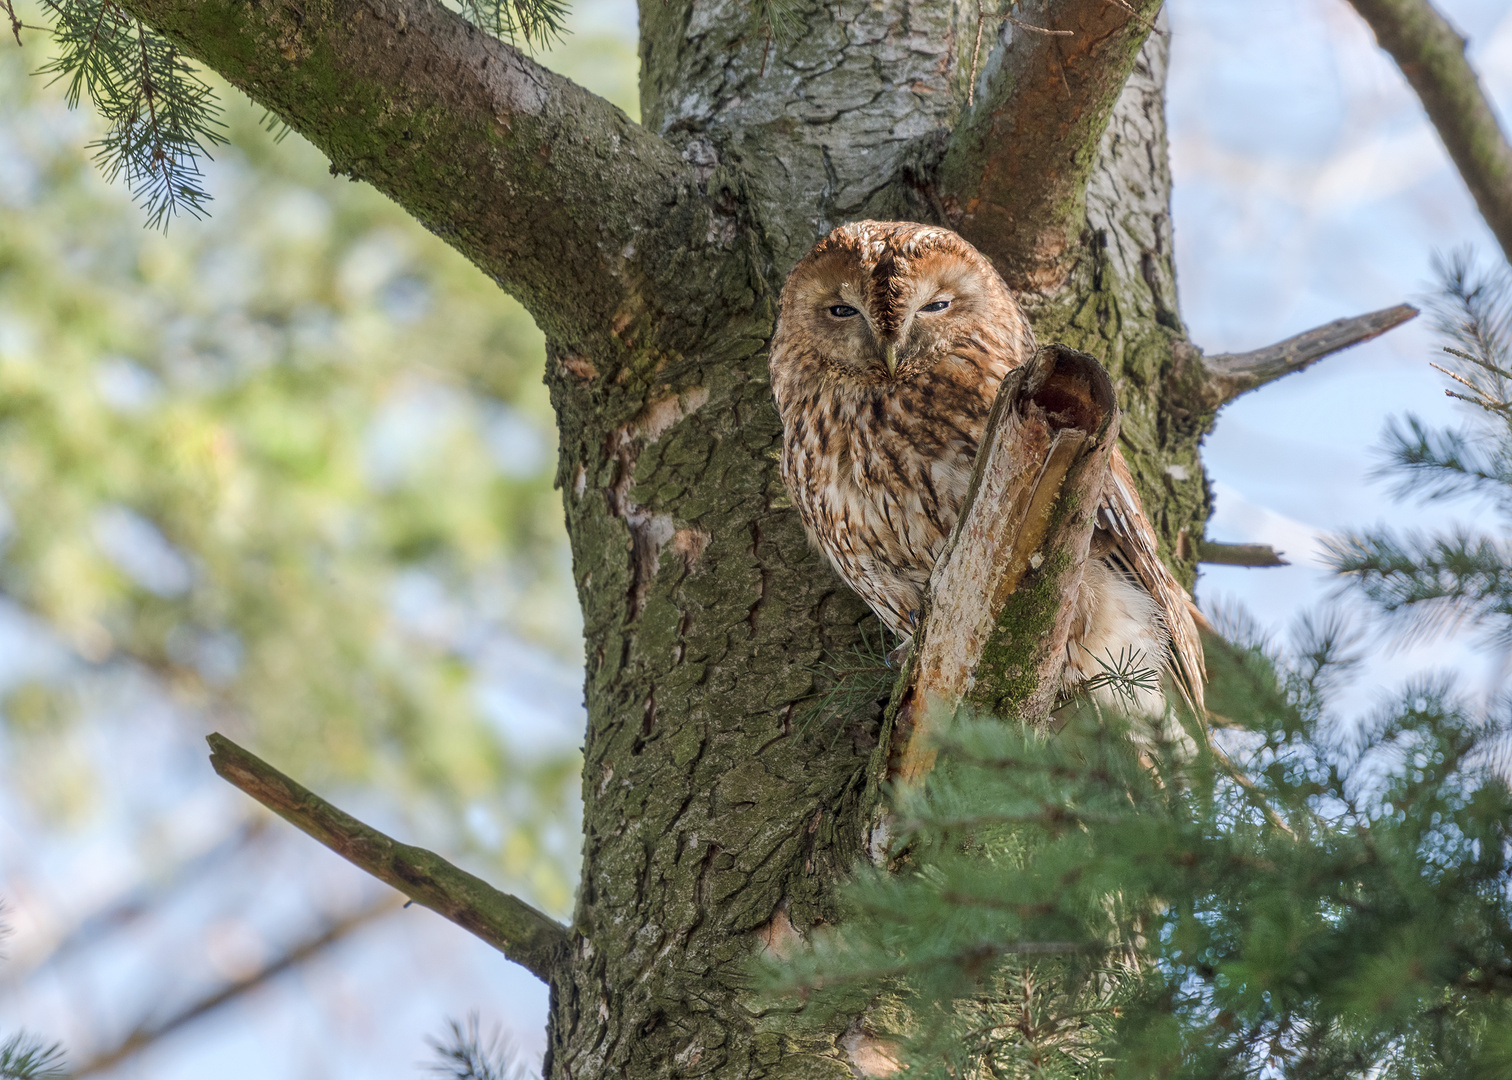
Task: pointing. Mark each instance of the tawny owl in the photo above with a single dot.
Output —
(890, 345)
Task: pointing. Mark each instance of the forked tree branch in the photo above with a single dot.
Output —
(1003, 592)
(551, 191)
(519, 931)
(1014, 176)
(1200, 385)
(1432, 57)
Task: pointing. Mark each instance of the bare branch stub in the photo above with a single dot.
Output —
(1002, 593)
(1201, 385)
(1432, 57)
(1217, 554)
(525, 935)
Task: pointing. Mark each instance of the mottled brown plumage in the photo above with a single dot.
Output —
(890, 346)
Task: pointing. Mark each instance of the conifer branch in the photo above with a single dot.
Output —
(163, 117)
(1200, 385)
(525, 935)
(1003, 591)
(25, 1058)
(1431, 54)
(553, 192)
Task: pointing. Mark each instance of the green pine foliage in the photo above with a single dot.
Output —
(465, 1053)
(163, 117)
(1324, 897)
(1426, 583)
(24, 1058)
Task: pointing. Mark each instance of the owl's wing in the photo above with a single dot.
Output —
(1121, 514)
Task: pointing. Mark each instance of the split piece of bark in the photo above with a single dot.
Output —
(525, 935)
(1002, 593)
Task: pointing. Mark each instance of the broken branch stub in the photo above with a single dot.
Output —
(525, 935)
(1214, 553)
(1201, 385)
(1002, 593)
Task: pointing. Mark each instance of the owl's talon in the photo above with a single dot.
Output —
(913, 618)
(897, 656)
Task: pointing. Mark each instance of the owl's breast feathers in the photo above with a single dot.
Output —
(878, 472)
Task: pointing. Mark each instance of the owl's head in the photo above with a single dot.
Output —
(884, 301)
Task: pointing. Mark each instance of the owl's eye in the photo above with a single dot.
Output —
(843, 311)
(938, 305)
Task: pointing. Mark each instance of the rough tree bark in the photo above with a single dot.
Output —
(652, 255)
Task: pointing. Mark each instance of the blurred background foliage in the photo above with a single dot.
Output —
(294, 460)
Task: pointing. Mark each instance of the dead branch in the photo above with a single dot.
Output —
(148, 1033)
(1200, 385)
(510, 925)
(1216, 554)
(1002, 593)
(1432, 57)
(1015, 171)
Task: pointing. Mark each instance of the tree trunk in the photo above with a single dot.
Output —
(715, 824)
(715, 821)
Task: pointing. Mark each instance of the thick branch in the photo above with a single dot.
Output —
(1014, 177)
(1203, 384)
(1003, 592)
(1432, 57)
(1216, 554)
(549, 189)
(516, 929)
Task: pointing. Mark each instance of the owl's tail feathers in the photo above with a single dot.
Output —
(1188, 667)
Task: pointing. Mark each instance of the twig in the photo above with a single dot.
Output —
(1216, 554)
(976, 51)
(1203, 384)
(1145, 20)
(1432, 57)
(145, 1035)
(15, 20)
(510, 925)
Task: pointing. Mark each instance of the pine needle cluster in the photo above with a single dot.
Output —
(25, 1057)
(466, 1054)
(1460, 578)
(164, 117)
(1324, 898)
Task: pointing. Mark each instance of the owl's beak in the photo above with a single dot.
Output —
(890, 356)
